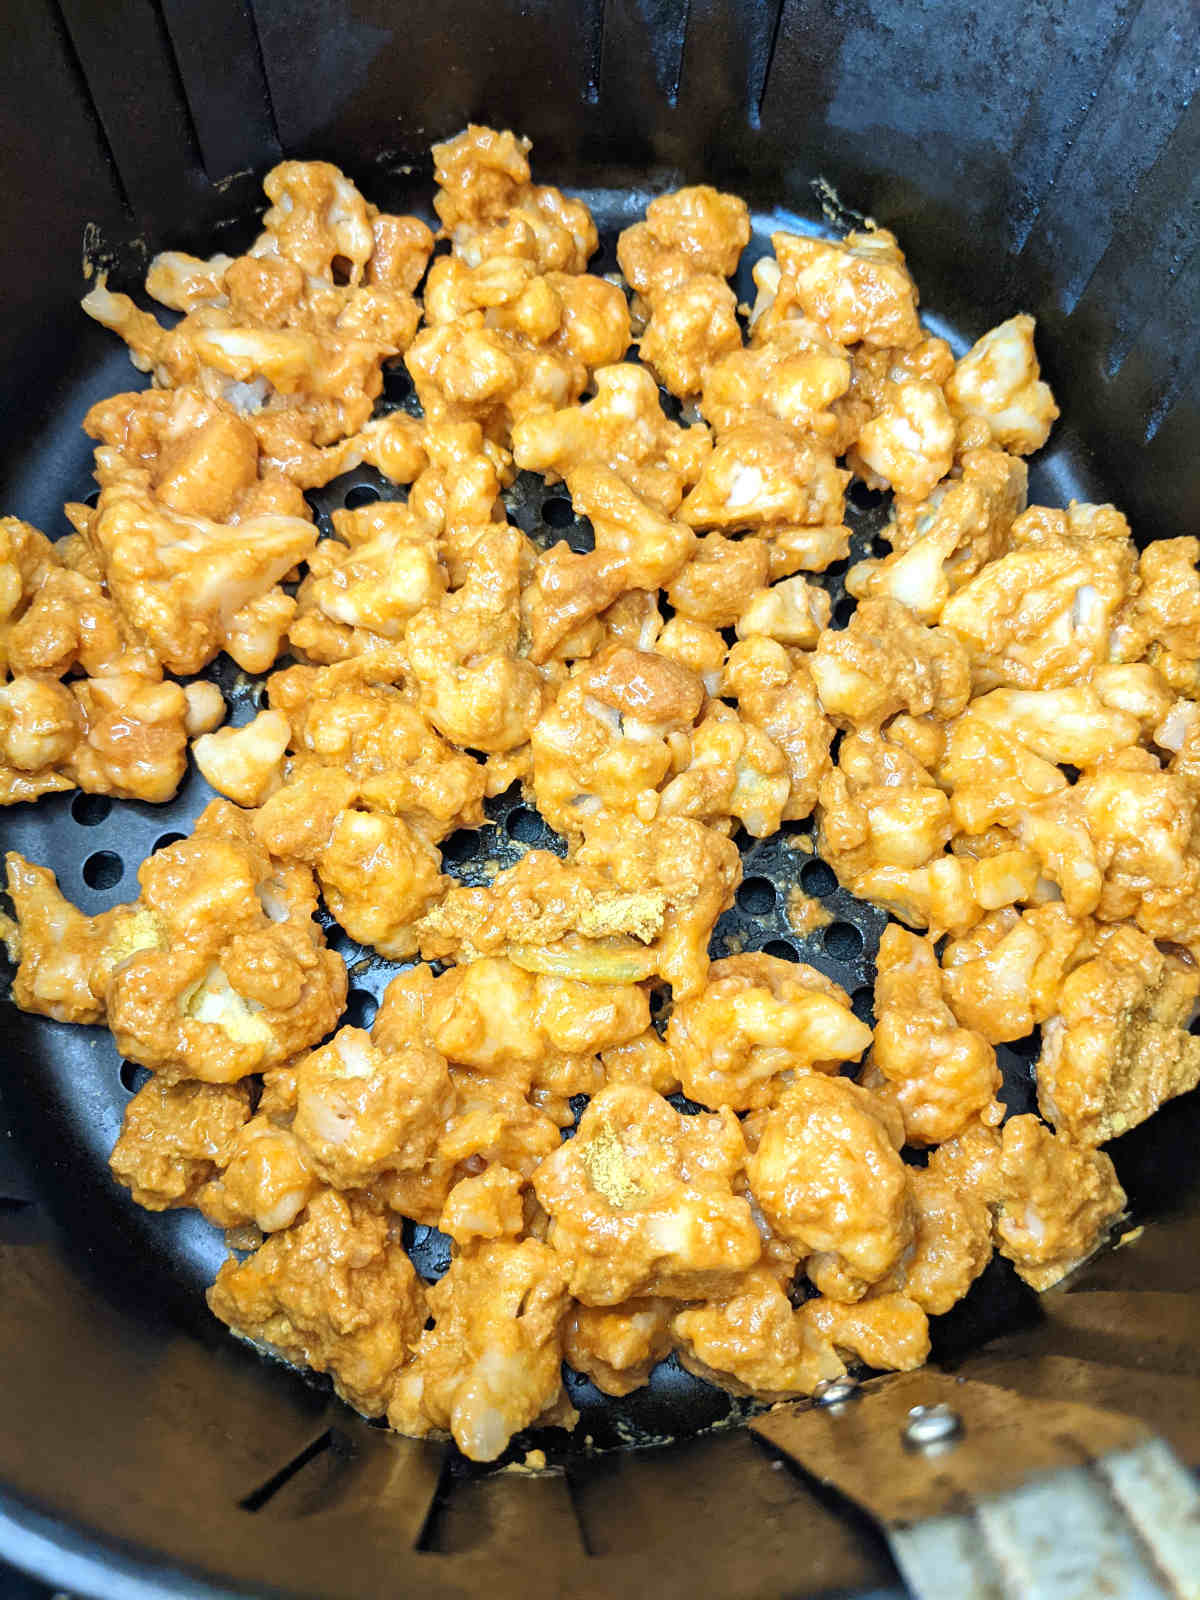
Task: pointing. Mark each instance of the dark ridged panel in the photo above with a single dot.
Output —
(230, 109)
(387, 79)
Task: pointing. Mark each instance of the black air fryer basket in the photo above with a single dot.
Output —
(1038, 158)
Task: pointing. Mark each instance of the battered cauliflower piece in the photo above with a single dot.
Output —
(733, 772)
(645, 1060)
(378, 877)
(996, 392)
(641, 1201)
(951, 893)
(693, 230)
(122, 735)
(335, 1292)
(1118, 1044)
(909, 443)
(57, 948)
(776, 694)
(26, 559)
(856, 289)
(754, 1343)
(490, 1206)
(370, 733)
(618, 1347)
(636, 548)
(186, 584)
(614, 734)
(889, 1332)
(952, 1243)
(939, 1075)
(362, 1111)
(1052, 1199)
(717, 584)
(268, 1181)
(219, 969)
(492, 1362)
(245, 764)
(292, 335)
(756, 1025)
(794, 612)
(879, 807)
(830, 1182)
(623, 428)
(797, 376)
(691, 325)
(762, 472)
(489, 207)
(1004, 977)
(175, 1137)
(886, 661)
(1042, 615)
(941, 543)
(466, 652)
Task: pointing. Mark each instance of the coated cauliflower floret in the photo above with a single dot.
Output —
(335, 1292)
(775, 693)
(794, 612)
(1052, 1199)
(492, 1362)
(378, 876)
(939, 1075)
(951, 893)
(952, 1243)
(221, 970)
(641, 1200)
(489, 1206)
(185, 583)
(889, 1332)
(26, 559)
(756, 1025)
(691, 325)
(909, 443)
(1042, 615)
(245, 764)
(1118, 1044)
(617, 1347)
(622, 427)
(941, 543)
(886, 661)
(879, 807)
(855, 289)
(796, 376)
(829, 1179)
(489, 207)
(755, 1343)
(175, 1137)
(761, 473)
(362, 1111)
(733, 771)
(1003, 978)
(268, 1181)
(693, 230)
(996, 392)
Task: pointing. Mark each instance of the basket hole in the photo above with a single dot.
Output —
(1028, 1048)
(361, 1008)
(558, 512)
(92, 498)
(671, 405)
(460, 846)
(397, 383)
(134, 1077)
(363, 494)
(843, 611)
(524, 825)
(782, 949)
(881, 545)
(103, 870)
(843, 941)
(817, 878)
(757, 896)
(862, 1003)
(862, 498)
(166, 840)
(90, 809)
(341, 268)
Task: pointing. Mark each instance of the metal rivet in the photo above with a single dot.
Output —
(929, 1425)
(833, 1391)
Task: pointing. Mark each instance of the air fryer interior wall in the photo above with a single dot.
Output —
(1039, 161)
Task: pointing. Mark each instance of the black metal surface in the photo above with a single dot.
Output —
(1044, 160)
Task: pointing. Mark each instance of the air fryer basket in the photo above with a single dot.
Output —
(1038, 159)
